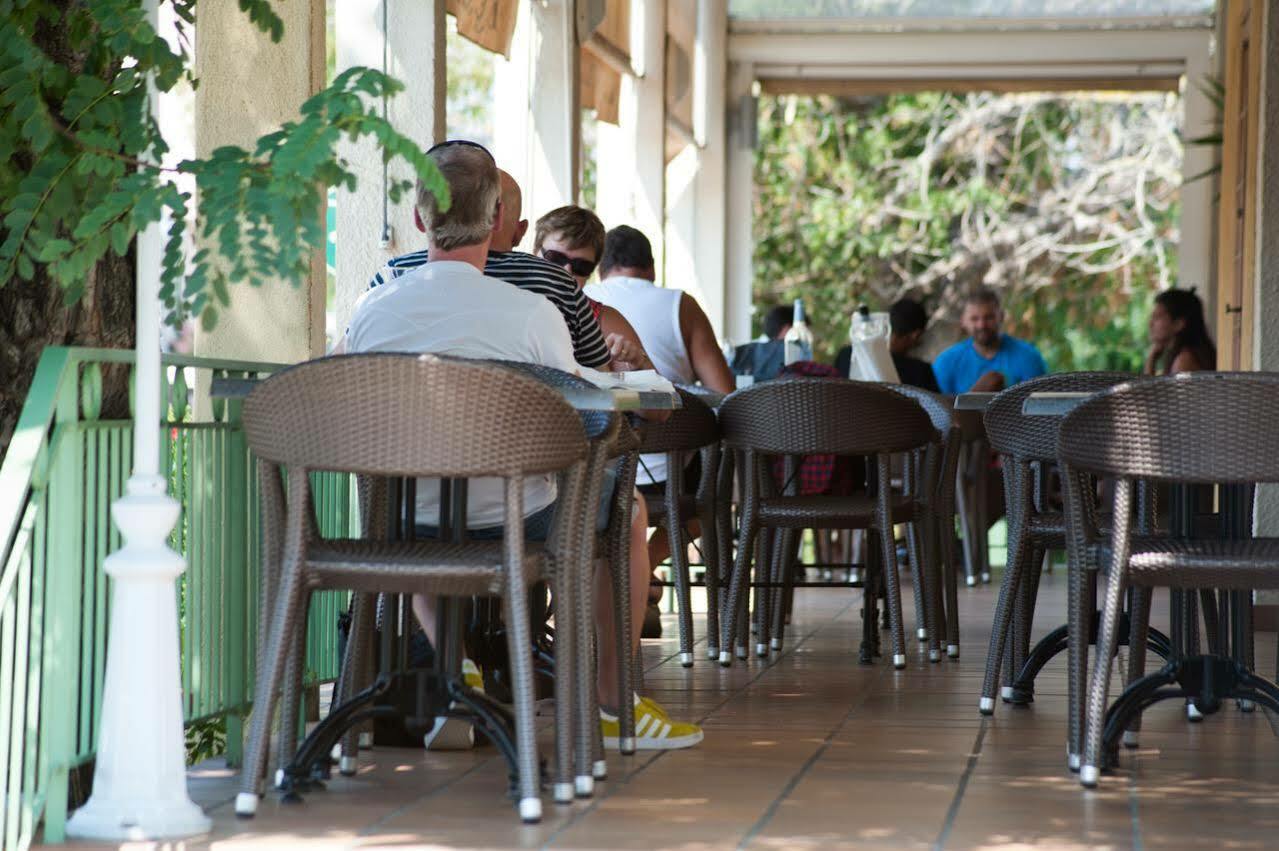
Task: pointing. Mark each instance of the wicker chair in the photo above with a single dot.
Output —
(1199, 428)
(693, 427)
(933, 480)
(806, 416)
(611, 438)
(1027, 445)
(406, 415)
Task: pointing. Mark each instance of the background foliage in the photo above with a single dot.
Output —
(1066, 204)
(79, 147)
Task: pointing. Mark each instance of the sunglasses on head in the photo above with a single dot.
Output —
(452, 142)
(579, 266)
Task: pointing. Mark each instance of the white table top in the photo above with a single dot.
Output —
(1052, 404)
(973, 401)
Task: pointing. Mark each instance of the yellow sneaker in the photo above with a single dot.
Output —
(471, 676)
(654, 729)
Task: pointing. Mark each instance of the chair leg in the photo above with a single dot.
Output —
(1139, 627)
(679, 555)
(723, 512)
(765, 559)
(518, 636)
(1107, 637)
(355, 674)
(619, 565)
(288, 601)
(589, 742)
(710, 555)
(1018, 546)
(963, 502)
(291, 699)
(1023, 619)
(950, 579)
(929, 577)
(1099, 688)
(892, 582)
(733, 620)
(569, 723)
(914, 551)
(784, 576)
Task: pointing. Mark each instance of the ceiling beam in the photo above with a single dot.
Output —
(1002, 85)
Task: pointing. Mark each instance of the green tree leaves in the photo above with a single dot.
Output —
(1067, 204)
(79, 150)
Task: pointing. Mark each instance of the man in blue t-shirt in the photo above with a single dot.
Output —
(988, 360)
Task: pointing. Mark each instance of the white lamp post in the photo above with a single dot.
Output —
(139, 781)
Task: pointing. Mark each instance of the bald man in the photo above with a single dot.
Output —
(513, 227)
(529, 273)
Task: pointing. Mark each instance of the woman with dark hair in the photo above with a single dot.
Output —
(1179, 340)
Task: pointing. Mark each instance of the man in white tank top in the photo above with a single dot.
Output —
(675, 333)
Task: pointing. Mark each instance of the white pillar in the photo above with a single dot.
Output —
(631, 157)
(139, 778)
(1198, 207)
(740, 179)
(415, 55)
(249, 86)
(710, 73)
(1266, 312)
(538, 136)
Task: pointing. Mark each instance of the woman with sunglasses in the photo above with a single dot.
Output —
(572, 238)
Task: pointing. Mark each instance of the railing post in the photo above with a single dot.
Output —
(238, 560)
(64, 575)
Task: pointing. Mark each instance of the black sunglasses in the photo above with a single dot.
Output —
(467, 142)
(579, 266)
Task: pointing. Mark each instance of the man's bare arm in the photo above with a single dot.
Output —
(699, 338)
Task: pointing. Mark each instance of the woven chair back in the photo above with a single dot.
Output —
(1201, 427)
(692, 426)
(1034, 438)
(834, 416)
(940, 409)
(595, 423)
(412, 415)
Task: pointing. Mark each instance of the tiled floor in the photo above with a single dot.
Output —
(812, 750)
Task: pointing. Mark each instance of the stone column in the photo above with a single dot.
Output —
(632, 156)
(1196, 257)
(740, 180)
(370, 229)
(710, 63)
(538, 107)
(1266, 312)
(249, 86)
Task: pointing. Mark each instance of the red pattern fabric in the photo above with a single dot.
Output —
(817, 474)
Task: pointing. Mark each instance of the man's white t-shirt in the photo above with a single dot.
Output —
(451, 308)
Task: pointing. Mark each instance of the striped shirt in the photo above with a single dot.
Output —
(535, 275)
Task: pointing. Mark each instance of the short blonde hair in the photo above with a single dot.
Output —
(475, 190)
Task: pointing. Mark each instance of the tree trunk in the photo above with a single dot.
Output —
(34, 314)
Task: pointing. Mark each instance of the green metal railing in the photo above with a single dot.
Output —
(63, 469)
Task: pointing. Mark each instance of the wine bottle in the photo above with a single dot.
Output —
(798, 340)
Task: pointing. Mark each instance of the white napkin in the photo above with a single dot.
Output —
(646, 380)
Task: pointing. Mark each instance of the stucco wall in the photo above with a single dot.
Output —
(415, 56)
(248, 87)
